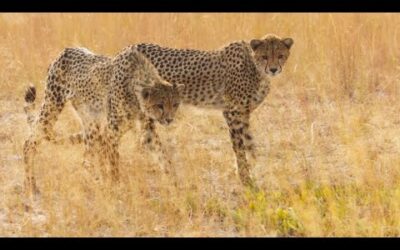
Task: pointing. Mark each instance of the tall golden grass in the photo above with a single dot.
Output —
(328, 134)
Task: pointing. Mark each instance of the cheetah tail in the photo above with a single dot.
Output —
(30, 96)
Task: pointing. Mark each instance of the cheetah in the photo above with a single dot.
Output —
(234, 79)
(108, 94)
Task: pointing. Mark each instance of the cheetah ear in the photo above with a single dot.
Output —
(255, 43)
(288, 42)
(180, 87)
(146, 92)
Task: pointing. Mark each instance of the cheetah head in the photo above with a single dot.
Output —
(271, 53)
(161, 101)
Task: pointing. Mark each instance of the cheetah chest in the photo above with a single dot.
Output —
(261, 92)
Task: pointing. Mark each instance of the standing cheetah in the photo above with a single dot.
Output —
(108, 94)
(234, 79)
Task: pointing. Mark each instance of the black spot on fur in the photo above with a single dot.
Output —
(30, 94)
(248, 137)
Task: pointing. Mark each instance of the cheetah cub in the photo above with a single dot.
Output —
(109, 95)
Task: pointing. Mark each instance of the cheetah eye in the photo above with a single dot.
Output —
(280, 57)
(265, 57)
(176, 105)
(160, 106)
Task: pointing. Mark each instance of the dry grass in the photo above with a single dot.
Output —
(328, 133)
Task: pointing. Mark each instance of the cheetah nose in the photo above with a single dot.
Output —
(273, 70)
(168, 120)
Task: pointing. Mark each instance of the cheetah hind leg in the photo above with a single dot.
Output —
(250, 148)
(41, 130)
(30, 149)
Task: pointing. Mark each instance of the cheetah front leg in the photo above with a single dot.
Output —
(92, 139)
(248, 139)
(111, 143)
(73, 139)
(151, 141)
(238, 128)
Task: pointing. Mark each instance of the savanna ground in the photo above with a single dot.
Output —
(328, 134)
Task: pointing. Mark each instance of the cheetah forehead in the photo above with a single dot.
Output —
(273, 42)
